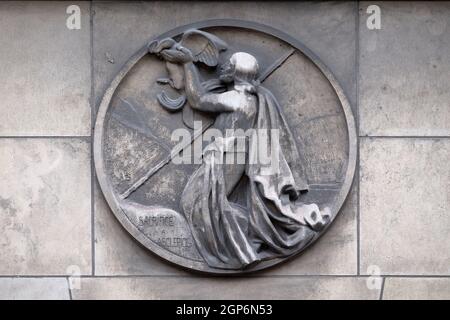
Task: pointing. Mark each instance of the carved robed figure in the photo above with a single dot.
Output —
(248, 211)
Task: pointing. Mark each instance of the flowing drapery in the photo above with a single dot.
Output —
(273, 222)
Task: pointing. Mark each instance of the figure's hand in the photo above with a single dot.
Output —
(155, 47)
(170, 51)
(177, 54)
(316, 218)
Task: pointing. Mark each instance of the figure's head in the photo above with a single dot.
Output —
(241, 67)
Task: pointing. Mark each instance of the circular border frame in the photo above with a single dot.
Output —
(108, 191)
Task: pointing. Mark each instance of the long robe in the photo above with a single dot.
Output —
(273, 222)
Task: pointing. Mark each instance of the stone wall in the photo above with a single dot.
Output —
(58, 238)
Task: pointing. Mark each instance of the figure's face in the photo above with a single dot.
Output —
(226, 72)
(241, 66)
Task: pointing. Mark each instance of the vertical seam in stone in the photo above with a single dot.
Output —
(68, 288)
(93, 113)
(358, 218)
(382, 288)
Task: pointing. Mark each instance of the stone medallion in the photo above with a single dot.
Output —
(225, 146)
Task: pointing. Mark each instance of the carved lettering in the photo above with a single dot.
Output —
(174, 242)
(157, 221)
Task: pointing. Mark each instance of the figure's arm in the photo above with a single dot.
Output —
(199, 98)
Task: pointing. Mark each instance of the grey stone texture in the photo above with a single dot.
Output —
(120, 29)
(403, 70)
(45, 70)
(417, 289)
(117, 253)
(34, 289)
(401, 226)
(335, 253)
(196, 288)
(45, 206)
(405, 205)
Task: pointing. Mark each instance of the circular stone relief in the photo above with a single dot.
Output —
(178, 138)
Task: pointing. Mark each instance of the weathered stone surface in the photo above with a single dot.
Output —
(405, 203)
(137, 119)
(45, 206)
(120, 29)
(335, 253)
(45, 70)
(315, 117)
(117, 252)
(404, 70)
(225, 288)
(34, 289)
(45, 224)
(416, 289)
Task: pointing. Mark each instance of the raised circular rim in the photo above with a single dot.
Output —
(111, 198)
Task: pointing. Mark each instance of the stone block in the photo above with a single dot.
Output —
(416, 289)
(45, 70)
(404, 87)
(405, 203)
(34, 289)
(196, 288)
(45, 206)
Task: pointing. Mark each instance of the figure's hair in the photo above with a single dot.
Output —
(245, 66)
